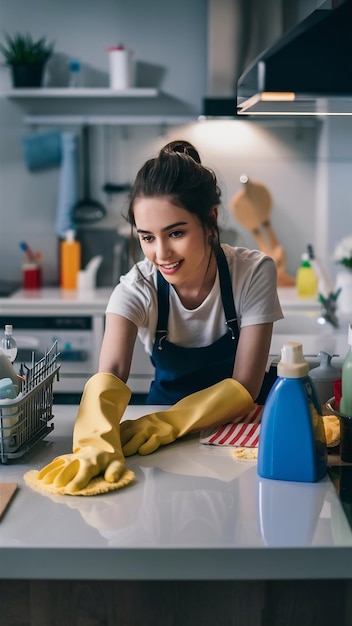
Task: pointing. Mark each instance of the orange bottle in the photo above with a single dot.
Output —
(70, 261)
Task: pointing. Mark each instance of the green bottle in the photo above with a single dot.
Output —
(346, 399)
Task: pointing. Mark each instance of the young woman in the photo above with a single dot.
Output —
(204, 312)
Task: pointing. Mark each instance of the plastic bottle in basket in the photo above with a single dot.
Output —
(8, 344)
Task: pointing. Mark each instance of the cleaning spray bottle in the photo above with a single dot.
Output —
(70, 261)
(306, 279)
(292, 443)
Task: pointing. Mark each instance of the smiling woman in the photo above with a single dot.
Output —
(191, 295)
(178, 247)
(203, 310)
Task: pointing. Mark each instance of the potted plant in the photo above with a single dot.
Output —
(26, 58)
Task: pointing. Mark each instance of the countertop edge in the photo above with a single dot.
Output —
(178, 564)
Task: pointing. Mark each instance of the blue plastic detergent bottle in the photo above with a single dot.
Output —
(292, 444)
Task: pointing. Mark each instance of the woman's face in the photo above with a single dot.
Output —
(173, 240)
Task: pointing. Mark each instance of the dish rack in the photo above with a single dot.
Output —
(25, 420)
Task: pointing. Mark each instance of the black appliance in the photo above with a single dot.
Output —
(306, 72)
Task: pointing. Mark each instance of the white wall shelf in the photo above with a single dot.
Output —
(98, 106)
(107, 120)
(80, 92)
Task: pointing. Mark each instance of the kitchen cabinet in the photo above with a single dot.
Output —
(77, 106)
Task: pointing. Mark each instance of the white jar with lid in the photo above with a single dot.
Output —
(121, 68)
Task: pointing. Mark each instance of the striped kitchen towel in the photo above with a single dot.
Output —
(244, 432)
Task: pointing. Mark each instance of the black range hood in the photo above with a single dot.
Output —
(308, 71)
(219, 107)
(237, 31)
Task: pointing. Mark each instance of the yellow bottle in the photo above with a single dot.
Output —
(70, 261)
(306, 279)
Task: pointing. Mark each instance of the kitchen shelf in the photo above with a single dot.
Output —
(80, 92)
(107, 120)
(99, 106)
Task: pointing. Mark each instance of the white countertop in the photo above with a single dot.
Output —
(56, 301)
(289, 299)
(96, 300)
(194, 512)
(54, 296)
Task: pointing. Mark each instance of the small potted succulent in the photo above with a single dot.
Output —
(26, 58)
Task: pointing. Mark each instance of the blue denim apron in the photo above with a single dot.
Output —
(181, 371)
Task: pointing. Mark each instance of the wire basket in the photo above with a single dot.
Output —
(24, 420)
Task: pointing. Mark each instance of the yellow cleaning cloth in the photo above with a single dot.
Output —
(95, 486)
(96, 464)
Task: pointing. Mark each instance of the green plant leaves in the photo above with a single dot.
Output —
(23, 49)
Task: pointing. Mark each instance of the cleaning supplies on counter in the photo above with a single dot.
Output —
(7, 370)
(292, 444)
(31, 275)
(8, 344)
(346, 398)
(8, 390)
(9, 380)
(342, 408)
(327, 296)
(9, 387)
(325, 286)
(306, 279)
(324, 376)
(31, 268)
(70, 261)
(87, 278)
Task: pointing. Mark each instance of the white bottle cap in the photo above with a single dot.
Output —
(292, 363)
(70, 235)
(8, 329)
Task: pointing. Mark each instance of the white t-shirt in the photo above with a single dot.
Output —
(253, 277)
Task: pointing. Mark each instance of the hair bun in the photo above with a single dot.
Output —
(182, 147)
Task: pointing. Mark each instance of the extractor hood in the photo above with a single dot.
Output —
(308, 71)
(237, 31)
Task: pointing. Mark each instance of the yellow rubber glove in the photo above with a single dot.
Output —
(213, 406)
(96, 444)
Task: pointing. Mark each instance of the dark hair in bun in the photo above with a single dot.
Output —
(182, 147)
(178, 174)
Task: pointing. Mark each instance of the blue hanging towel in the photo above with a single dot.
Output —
(42, 150)
(68, 184)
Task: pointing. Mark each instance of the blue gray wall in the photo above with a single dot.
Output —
(305, 165)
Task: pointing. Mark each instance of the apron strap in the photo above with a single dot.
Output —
(228, 303)
(227, 296)
(163, 289)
